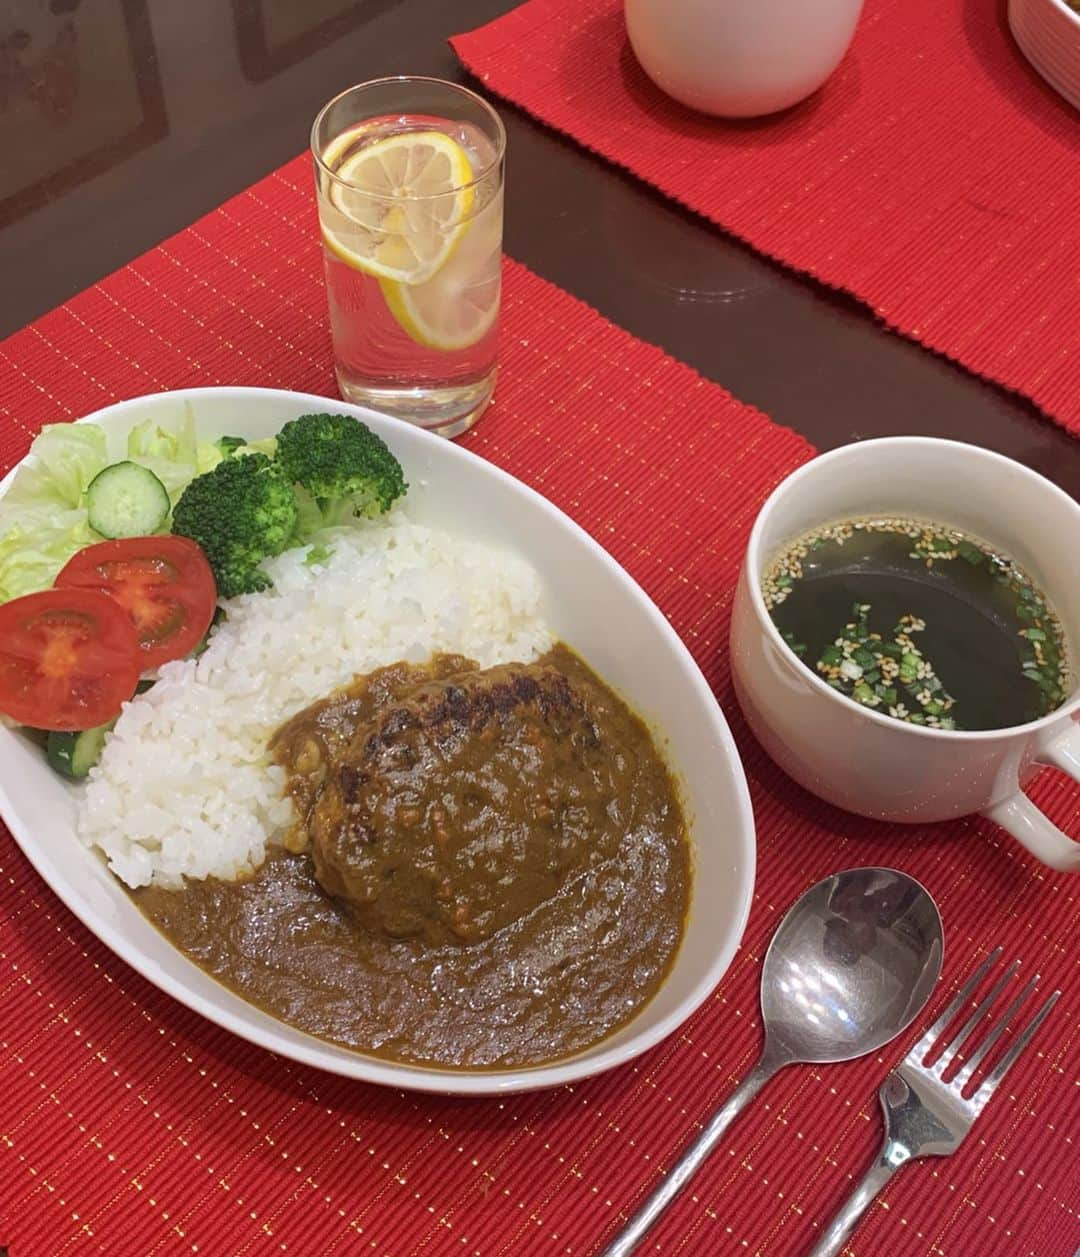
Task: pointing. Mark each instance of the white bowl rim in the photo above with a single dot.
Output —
(373, 1069)
(1071, 14)
(755, 560)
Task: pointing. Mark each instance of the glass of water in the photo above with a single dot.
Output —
(409, 178)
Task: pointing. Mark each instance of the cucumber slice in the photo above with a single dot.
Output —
(126, 500)
(74, 754)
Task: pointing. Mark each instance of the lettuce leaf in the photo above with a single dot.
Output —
(30, 558)
(173, 455)
(67, 456)
(43, 518)
(42, 515)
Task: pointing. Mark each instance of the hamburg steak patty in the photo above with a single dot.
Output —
(467, 800)
(312, 742)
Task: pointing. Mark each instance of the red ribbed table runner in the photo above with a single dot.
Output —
(128, 1125)
(934, 176)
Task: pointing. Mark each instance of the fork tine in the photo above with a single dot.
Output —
(934, 1033)
(958, 1040)
(990, 1083)
(962, 1078)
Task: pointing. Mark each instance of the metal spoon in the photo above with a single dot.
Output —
(849, 968)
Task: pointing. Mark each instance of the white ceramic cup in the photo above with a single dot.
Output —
(740, 58)
(870, 763)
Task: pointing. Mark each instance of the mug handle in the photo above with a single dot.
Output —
(1028, 825)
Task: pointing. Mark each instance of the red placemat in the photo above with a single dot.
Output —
(934, 176)
(128, 1125)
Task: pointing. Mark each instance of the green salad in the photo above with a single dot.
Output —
(111, 567)
(240, 501)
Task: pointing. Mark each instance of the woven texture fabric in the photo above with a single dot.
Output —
(129, 1125)
(933, 176)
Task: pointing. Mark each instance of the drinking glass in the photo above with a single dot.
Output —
(409, 180)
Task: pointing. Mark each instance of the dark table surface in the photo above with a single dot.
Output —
(121, 121)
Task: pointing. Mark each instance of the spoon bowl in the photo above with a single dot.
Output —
(850, 966)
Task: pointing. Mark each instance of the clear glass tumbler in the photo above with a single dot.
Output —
(409, 177)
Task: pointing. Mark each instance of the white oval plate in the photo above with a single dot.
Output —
(588, 601)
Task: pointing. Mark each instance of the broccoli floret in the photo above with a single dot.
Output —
(319, 556)
(240, 512)
(232, 445)
(341, 469)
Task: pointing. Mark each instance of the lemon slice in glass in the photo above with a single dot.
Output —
(398, 205)
(457, 306)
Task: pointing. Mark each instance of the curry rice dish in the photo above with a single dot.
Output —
(490, 868)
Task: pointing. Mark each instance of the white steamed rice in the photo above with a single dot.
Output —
(185, 786)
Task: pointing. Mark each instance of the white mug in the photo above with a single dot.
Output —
(740, 58)
(871, 763)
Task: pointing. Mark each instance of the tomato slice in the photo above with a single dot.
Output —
(68, 659)
(165, 585)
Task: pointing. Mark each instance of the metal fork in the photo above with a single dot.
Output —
(926, 1116)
